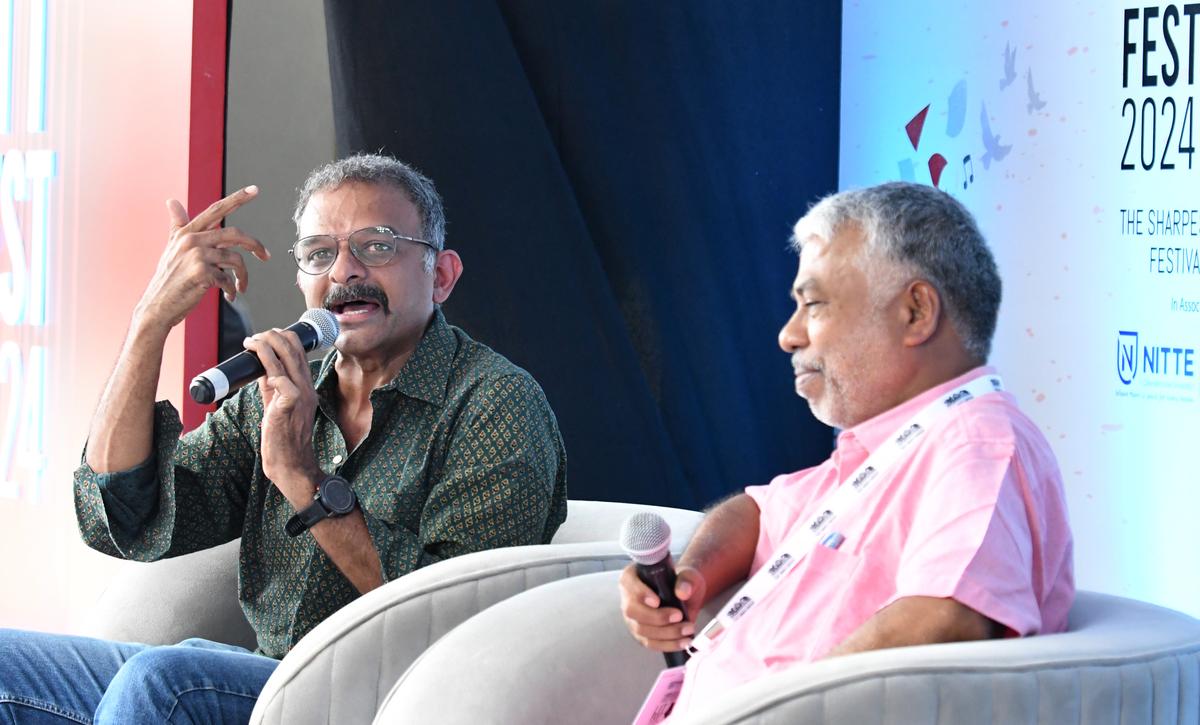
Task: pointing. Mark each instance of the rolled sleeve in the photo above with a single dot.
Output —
(189, 495)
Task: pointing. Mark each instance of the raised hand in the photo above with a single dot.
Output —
(200, 254)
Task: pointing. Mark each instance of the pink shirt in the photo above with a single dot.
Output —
(974, 512)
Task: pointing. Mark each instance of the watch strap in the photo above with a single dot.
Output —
(306, 518)
(318, 511)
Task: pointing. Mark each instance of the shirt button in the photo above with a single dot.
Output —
(337, 458)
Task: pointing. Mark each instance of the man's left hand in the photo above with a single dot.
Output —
(289, 408)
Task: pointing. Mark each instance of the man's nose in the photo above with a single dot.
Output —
(346, 267)
(794, 334)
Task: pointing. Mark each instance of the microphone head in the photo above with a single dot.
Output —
(646, 537)
(324, 322)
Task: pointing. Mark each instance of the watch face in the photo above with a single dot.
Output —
(337, 495)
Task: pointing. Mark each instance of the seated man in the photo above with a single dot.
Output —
(939, 517)
(442, 447)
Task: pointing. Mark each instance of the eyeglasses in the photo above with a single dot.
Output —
(373, 246)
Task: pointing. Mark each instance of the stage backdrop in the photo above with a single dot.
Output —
(621, 179)
(1069, 129)
(95, 122)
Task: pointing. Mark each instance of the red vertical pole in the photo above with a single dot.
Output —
(206, 158)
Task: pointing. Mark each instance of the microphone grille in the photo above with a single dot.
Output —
(324, 323)
(646, 537)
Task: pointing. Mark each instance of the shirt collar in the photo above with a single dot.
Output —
(871, 433)
(424, 376)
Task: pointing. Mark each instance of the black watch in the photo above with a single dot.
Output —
(334, 498)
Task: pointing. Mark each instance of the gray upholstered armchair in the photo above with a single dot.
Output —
(367, 645)
(560, 653)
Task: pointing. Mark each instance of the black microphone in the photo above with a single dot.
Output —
(316, 328)
(646, 537)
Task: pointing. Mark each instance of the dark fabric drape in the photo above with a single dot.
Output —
(620, 179)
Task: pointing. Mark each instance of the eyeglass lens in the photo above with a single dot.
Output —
(373, 247)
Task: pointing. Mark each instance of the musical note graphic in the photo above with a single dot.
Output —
(968, 179)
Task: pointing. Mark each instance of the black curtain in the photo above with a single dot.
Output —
(620, 179)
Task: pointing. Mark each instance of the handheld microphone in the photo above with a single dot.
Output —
(316, 328)
(646, 538)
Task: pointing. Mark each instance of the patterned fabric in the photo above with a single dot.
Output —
(464, 454)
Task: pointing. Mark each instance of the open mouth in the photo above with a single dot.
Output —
(355, 301)
(353, 308)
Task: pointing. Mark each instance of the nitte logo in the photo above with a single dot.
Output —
(1156, 360)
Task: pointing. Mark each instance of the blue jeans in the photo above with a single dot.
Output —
(54, 678)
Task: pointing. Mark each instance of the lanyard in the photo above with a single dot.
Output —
(835, 506)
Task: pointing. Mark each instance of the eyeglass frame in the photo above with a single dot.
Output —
(337, 238)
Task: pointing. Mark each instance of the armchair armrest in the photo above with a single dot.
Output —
(341, 671)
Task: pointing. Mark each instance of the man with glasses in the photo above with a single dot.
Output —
(407, 444)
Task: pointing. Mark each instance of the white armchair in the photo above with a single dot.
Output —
(341, 670)
(560, 653)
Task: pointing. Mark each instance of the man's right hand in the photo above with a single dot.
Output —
(666, 629)
(199, 255)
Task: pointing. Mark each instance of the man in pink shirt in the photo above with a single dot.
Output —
(963, 535)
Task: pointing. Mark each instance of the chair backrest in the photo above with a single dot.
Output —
(196, 595)
(602, 520)
(165, 602)
(560, 653)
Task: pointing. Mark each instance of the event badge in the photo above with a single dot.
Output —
(817, 530)
(662, 697)
(833, 509)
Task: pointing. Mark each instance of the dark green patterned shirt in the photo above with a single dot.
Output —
(464, 454)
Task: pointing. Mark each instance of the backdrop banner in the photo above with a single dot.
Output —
(1068, 129)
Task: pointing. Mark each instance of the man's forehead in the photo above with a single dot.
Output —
(825, 262)
(813, 250)
(364, 203)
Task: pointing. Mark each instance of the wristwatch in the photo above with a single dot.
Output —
(334, 498)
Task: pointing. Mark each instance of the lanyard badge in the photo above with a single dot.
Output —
(819, 529)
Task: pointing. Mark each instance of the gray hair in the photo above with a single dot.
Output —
(379, 169)
(924, 232)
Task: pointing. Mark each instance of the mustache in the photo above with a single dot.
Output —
(348, 293)
(799, 365)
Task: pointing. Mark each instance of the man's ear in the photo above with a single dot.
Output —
(446, 271)
(921, 307)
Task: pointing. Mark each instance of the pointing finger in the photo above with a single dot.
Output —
(213, 215)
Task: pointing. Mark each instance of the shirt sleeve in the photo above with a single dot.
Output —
(971, 539)
(780, 503)
(503, 482)
(189, 495)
